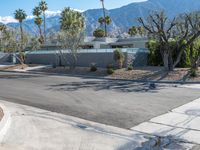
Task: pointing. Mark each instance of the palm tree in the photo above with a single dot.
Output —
(38, 21)
(141, 31)
(101, 20)
(43, 7)
(104, 14)
(108, 20)
(20, 15)
(3, 27)
(37, 11)
(133, 31)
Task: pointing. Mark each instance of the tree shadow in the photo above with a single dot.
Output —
(160, 75)
(120, 86)
(158, 143)
(185, 77)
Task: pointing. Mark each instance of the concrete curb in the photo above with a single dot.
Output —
(106, 78)
(5, 122)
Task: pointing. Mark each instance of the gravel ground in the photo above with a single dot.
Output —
(142, 73)
(77, 71)
(155, 73)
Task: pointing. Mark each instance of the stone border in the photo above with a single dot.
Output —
(5, 122)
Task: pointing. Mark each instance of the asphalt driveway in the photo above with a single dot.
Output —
(119, 103)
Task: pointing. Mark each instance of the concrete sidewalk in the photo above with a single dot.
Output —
(182, 123)
(36, 129)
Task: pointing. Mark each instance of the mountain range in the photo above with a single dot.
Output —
(122, 18)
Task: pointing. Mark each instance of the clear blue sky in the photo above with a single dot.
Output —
(7, 7)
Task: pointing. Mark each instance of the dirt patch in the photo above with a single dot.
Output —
(76, 71)
(142, 73)
(18, 66)
(155, 74)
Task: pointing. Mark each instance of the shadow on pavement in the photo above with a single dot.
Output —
(121, 86)
(158, 143)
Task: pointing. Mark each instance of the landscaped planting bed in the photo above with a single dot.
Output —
(141, 73)
(156, 73)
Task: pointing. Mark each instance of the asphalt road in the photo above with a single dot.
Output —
(118, 103)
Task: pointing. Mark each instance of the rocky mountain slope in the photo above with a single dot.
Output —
(123, 17)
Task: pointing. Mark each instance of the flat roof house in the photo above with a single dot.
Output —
(107, 43)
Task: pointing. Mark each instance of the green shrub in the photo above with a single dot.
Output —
(130, 67)
(119, 57)
(193, 72)
(99, 33)
(110, 66)
(93, 67)
(155, 57)
(110, 71)
(185, 58)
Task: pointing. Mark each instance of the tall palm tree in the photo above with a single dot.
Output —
(44, 7)
(104, 14)
(108, 20)
(101, 20)
(20, 15)
(37, 11)
(38, 21)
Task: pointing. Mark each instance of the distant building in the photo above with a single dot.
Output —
(109, 43)
(103, 43)
(94, 50)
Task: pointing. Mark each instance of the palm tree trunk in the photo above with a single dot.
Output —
(40, 30)
(44, 27)
(41, 39)
(104, 14)
(21, 46)
(21, 29)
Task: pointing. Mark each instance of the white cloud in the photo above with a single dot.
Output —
(10, 19)
(52, 13)
(7, 19)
